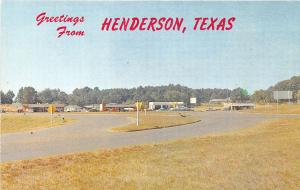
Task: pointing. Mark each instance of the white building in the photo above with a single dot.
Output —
(238, 106)
(165, 105)
(73, 108)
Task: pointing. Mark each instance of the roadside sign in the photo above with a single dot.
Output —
(139, 105)
(283, 95)
(193, 100)
(174, 104)
(51, 108)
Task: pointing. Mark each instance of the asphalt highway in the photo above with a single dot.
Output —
(90, 133)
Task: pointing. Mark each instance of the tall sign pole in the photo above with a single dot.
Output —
(277, 102)
(282, 95)
(51, 110)
(137, 114)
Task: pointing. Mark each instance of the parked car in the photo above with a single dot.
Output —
(162, 109)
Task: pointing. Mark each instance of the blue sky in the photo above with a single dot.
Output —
(261, 49)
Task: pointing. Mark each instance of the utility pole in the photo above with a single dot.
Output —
(51, 119)
(277, 100)
(51, 110)
(137, 114)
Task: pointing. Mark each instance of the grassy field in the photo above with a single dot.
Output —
(204, 107)
(272, 109)
(156, 120)
(263, 157)
(18, 122)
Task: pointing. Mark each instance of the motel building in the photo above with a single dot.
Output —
(73, 108)
(14, 107)
(113, 107)
(43, 107)
(92, 107)
(238, 106)
(165, 105)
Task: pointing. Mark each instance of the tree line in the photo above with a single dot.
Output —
(266, 96)
(86, 96)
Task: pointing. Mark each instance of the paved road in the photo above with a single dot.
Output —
(90, 133)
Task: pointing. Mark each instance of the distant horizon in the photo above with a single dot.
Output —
(262, 48)
(92, 87)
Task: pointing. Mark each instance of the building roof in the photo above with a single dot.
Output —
(113, 105)
(243, 104)
(38, 105)
(93, 106)
(17, 105)
(43, 105)
(165, 103)
(239, 104)
(73, 106)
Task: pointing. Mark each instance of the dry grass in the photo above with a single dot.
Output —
(99, 113)
(204, 107)
(157, 120)
(264, 157)
(272, 109)
(18, 122)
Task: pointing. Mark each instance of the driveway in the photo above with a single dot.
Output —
(90, 133)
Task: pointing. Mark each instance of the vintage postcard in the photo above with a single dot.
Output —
(150, 95)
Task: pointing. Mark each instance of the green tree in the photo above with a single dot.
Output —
(7, 98)
(52, 96)
(298, 95)
(10, 96)
(3, 97)
(239, 95)
(45, 96)
(261, 96)
(27, 95)
(292, 84)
